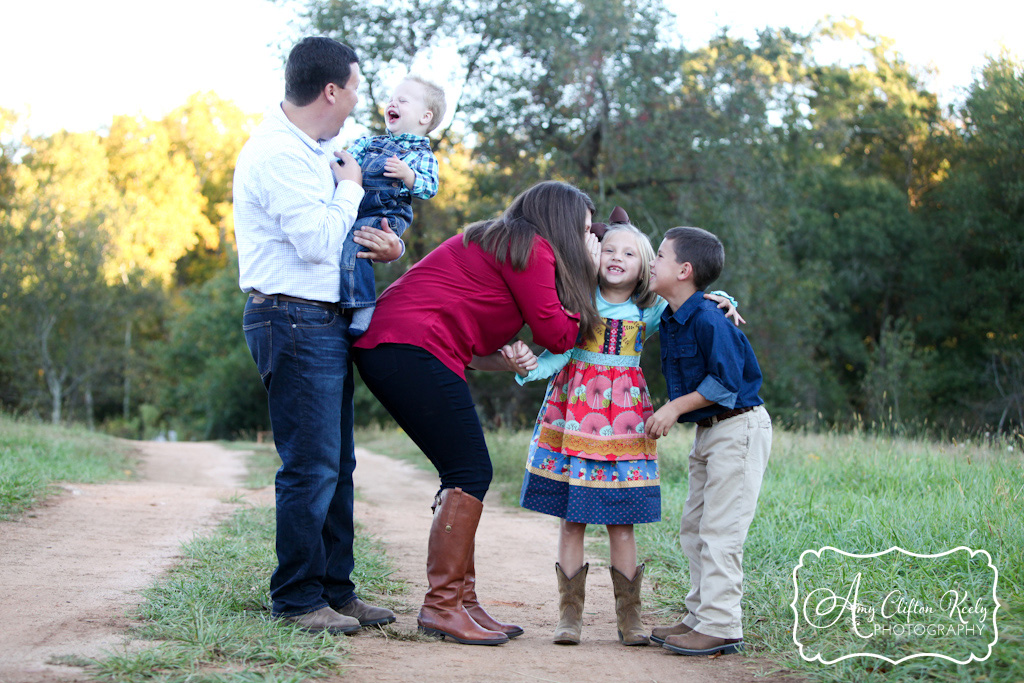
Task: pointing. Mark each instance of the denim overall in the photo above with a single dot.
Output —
(383, 198)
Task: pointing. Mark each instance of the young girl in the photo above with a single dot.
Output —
(590, 461)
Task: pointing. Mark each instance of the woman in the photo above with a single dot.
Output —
(459, 307)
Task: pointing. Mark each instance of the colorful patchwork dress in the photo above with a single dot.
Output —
(590, 460)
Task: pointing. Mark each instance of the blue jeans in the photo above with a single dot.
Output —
(302, 353)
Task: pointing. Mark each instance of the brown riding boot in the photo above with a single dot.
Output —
(448, 555)
(570, 605)
(627, 607)
(472, 604)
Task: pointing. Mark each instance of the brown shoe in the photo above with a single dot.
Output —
(367, 615)
(451, 541)
(325, 619)
(696, 643)
(627, 607)
(472, 604)
(660, 633)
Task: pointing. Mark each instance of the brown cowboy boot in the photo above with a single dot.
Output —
(627, 607)
(472, 605)
(448, 555)
(570, 605)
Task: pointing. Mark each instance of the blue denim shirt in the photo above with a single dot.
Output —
(703, 351)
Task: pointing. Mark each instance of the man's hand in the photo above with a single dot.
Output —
(382, 245)
(396, 168)
(659, 424)
(346, 168)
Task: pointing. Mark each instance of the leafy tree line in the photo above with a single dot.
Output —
(874, 240)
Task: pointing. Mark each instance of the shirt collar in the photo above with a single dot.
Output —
(408, 137)
(277, 114)
(689, 307)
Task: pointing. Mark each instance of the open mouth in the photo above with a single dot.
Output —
(392, 116)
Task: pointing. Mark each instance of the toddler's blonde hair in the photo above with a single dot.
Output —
(643, 297)
(433, 97)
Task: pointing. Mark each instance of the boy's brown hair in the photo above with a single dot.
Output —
(702, 250)
(433, 97)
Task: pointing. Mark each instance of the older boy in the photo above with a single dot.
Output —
(396, 167)
(713, 379)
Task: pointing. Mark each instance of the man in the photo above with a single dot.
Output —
(296, 193)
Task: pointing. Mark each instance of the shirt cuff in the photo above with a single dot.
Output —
(402, 242)
(713, 391)
(350, 190)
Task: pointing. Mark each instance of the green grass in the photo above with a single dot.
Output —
(209, 619)
(863, 494)
(856, 492)
(36, 456)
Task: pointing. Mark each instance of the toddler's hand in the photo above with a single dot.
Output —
(659, 424)
(396, 168)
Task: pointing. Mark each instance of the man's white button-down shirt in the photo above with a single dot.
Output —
(291, 219)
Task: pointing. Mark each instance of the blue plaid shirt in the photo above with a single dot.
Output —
(423, 164)
(702, 351)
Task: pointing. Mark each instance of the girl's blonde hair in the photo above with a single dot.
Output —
(643, 297)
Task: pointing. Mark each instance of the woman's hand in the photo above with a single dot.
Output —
(730, 310)
(519, 358)
(516, 356)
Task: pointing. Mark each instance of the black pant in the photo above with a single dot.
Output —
(434, 407)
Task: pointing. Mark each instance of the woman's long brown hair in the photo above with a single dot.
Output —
(557, 212)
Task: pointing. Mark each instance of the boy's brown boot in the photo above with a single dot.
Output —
(627, 607)
(660, 633)
(451, 541)
(570, 605)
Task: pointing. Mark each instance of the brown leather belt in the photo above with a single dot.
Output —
(709, 421)
(334, 308)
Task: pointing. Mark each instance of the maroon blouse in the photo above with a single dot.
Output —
(459, 302)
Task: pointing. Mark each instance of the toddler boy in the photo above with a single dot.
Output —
(713, 379)
(396, 167)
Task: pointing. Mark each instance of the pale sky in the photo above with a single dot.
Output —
(74, 64)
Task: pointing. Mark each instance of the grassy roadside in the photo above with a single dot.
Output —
(859, 493)
(209, 619)
(34, 457)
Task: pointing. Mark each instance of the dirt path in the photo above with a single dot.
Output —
(516, 583)
(73, 570)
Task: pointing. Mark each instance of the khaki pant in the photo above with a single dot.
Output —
(727, 464)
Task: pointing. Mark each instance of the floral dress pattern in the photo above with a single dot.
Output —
(590, 460)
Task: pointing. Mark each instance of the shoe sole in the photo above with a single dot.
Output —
(727, 649)
(645, 641)
(444, 634)
(377, 622)
(333, 630)
(661, 641)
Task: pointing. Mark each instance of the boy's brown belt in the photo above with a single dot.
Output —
(709, 421)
